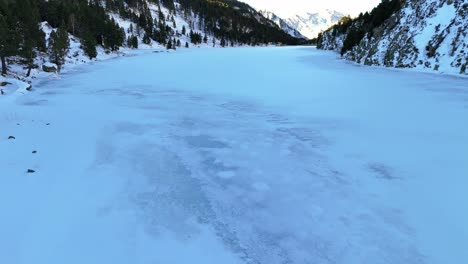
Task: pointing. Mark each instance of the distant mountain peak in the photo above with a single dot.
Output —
(306, 24)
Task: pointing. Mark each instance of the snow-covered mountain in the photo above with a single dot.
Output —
(282, 24)
(425, 34)
(311, 24)
(306, 25)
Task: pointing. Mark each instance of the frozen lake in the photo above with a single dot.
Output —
(245, 155)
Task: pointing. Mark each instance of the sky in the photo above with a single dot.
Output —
(290, 7)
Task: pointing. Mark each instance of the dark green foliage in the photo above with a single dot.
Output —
(88, 44)
(83, 18)
(31, 38)
(132, 42)
(113, 36)
(7, 40)
(234, 21)
(353, 38)
(59, 45)
(195, 38)
(19, 31)
(146, 39)
(186, 44)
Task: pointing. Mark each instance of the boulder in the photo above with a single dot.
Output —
(49, 67)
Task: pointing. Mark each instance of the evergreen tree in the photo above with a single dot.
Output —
(3, 42)
(59, 45)
(161, 16)
(132, 42)
(113, 36)
(195, 38)
(169, 45)
(32, 38)
(184, 31)
(88, 44)
(146, 39)
(174, 25)
(186, 44)
(8, 39)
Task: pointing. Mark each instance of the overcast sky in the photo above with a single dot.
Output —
(288, 7)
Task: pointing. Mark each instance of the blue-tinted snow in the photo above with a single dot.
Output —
(248, 155)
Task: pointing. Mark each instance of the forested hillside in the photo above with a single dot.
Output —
(426, 34)
(48, 29)
(348, 32)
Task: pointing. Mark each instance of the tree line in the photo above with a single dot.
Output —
(22, 39)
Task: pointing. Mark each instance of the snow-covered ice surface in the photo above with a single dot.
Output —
(245, 155)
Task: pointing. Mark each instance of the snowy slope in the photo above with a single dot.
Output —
(311, 24)
(281, 23)
(424, 34)
(134, 164)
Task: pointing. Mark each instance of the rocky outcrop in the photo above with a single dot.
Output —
(49, 67)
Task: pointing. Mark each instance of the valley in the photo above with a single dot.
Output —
(279, 155)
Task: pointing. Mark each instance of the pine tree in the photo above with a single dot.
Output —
(59, 45)
(169, 45)
(205, 39)
(88, 44)
(186, 44)
(113, 35)
(161, 16)
(32, 38)
(184, 31)
(146, 39)
(132, 42)
(8, 42)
